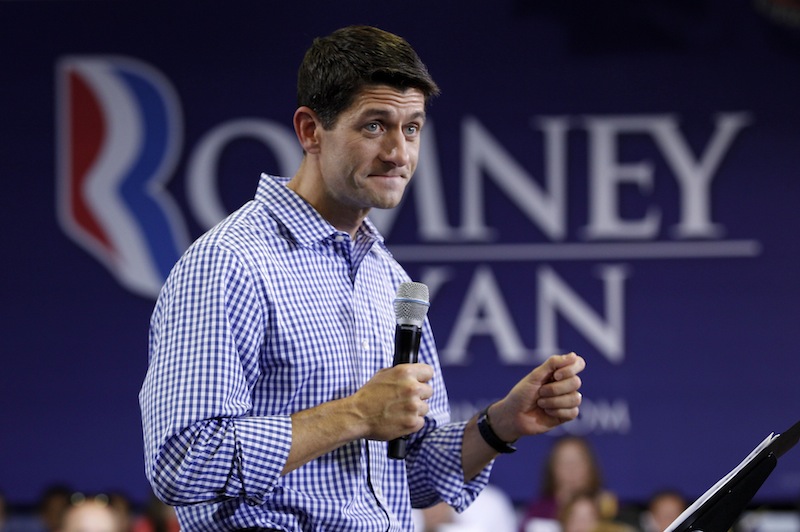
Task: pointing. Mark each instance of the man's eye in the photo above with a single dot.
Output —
(412, 130)
(373, 127)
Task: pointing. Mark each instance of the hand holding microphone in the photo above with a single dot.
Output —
(410, 307)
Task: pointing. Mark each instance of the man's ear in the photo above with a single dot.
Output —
(307, 128)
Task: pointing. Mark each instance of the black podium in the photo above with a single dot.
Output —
(720, 507)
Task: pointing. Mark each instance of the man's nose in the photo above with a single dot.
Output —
(396, 149)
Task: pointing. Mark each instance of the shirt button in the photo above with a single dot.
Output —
(339, 238)
(365, 345)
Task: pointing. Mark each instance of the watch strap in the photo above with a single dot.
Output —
(489, 436)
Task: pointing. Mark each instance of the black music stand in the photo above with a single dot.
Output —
(720, 507)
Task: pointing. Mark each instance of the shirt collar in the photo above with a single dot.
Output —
(303, 222)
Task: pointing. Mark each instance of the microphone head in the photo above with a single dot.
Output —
(411, 304)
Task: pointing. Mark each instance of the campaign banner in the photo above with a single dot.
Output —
(619, 181)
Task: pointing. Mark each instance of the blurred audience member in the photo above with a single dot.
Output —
(54, 502)
(491, 511)
(120, 502)
(570, 469)
(50, 508)
(583, 513)
(580, 514)
(157, 517)
(90, 515)
(662, 509)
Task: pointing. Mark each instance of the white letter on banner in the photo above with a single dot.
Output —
(201, 176)
(484, 298)
(434, 277)
(555, 296)
(606, 174)
(694, 176)
(481, 153)
(598, 416)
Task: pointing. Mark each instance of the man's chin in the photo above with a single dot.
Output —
(387, 202)
(387, 199)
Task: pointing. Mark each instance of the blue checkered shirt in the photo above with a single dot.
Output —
(271, 312)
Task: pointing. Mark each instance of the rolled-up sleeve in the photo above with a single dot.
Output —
(201, 441)
(435, 472)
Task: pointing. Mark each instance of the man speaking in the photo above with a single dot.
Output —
(271, 391)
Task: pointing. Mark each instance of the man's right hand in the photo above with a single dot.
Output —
(390, 405)
(393, 402)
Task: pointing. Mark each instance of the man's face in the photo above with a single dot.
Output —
(368, 157)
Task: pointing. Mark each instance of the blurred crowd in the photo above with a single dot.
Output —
(571, 497)
(60, 509)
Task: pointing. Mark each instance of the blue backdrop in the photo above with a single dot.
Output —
(615, 178)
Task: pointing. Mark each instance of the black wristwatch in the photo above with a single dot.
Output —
(487, 433)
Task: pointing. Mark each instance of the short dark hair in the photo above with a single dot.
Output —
(337, 67)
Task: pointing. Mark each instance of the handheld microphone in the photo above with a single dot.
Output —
(410, 308)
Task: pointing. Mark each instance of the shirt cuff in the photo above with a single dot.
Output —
(262, 449)
(441, 453)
